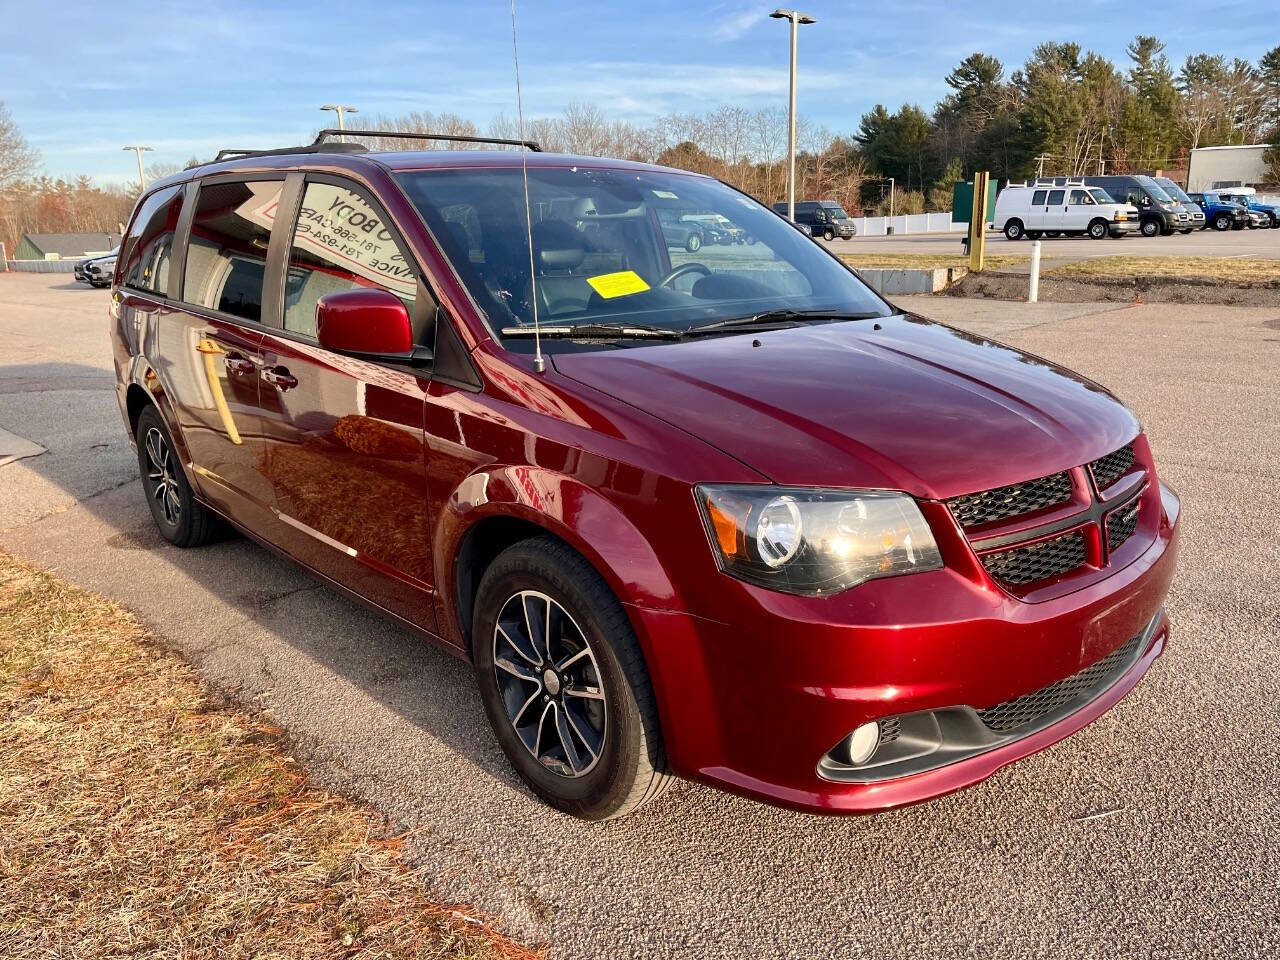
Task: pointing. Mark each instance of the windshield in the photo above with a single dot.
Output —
(835, 210)
(1173, 189)
(1155, 190)
(603, 257)
(1100, 195)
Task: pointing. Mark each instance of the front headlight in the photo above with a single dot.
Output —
(815, 541)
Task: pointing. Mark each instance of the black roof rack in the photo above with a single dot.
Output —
(402, 135)
(322, 144)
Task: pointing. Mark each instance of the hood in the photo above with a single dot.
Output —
(914, 406)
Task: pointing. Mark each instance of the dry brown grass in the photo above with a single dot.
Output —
(927, 261)
(1220, 269)
(142, 816)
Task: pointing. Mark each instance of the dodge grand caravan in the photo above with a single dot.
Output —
(730, 518)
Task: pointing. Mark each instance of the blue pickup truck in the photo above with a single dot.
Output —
(1248, 198)
(1221, 214)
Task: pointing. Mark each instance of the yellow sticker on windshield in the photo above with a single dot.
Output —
(620, 284)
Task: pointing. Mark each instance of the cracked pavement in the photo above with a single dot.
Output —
(1151, 833)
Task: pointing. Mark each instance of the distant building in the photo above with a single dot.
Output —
(1212, 167)
(64, 246)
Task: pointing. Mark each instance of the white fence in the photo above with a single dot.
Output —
(43, 266)
(908, 223)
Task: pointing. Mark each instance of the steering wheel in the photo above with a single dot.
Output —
(681, 270)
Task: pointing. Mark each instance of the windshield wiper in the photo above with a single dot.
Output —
(596, 331)
(777, 319)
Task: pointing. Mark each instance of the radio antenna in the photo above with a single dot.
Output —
(539, 363)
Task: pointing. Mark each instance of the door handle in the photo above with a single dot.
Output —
(280, 378)
(239, 365)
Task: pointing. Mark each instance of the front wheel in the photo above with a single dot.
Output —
(1098, 229)
(1184, 232)
(181, 519)
(1150, 228)
(1222, 221)
(828, 234)
(564, 682)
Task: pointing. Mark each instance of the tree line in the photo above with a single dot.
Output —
(1065, 110)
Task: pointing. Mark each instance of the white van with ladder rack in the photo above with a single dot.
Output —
(1063, 208)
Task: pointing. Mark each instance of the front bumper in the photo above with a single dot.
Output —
(1118, 227)
(752, 702)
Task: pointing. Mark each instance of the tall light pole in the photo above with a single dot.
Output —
(142, 180)
(340, 109)
(796, 19)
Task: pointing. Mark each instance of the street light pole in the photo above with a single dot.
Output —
(142, 180)
(796, 19)
(340, 109)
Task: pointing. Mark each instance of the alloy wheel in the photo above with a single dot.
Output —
(549, 682)
(161, 477)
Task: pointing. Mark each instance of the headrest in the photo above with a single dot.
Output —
(557, 245)
(457, 238)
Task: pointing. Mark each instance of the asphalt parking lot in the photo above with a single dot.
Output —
(1155, 832)
(1201, 243)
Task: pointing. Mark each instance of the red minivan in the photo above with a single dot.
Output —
(724, 514)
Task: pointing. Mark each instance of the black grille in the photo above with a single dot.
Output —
(1121, 524)
(1038, 561)
(1090, 681)
(1107, 470)
(974, 509)
(890, 729)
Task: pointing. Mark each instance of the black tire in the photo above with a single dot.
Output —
(1185, 232)
(828, 234)
(1052, 234)
(181, 519)
(1150, 228)
(1013, 230)
(1034, 234)
(1221, 222)
(1098, 229)
(694, 242)
(630, 766)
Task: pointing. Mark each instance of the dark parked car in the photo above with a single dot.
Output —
(1196, 218)
(1158, 213)
(824, 218)
(679, 232)
(740, 521)
(1268, 214)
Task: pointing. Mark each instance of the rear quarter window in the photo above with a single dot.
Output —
(148, 248)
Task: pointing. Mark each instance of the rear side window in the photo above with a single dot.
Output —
(1055, 196)
(148, 247)
(1037, 198)
(227, 255)
(343, 242)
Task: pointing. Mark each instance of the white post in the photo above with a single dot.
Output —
(791, 129)
(1033, 292)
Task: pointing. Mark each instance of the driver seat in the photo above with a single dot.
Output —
(558, 250)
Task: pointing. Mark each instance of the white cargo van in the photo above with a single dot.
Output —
(1045, 209)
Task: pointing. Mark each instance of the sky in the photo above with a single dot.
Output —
(83, 79)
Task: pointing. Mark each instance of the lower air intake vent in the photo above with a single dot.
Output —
(1040, 561)
(1030, 707)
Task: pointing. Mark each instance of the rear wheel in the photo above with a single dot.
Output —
(1098, 229)
(1013, 230)
(694, 243)
(181, 519)
(564, 683)
(1033, 234)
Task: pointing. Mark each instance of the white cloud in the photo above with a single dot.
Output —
(737, 23)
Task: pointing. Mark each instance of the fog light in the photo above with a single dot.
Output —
(863, 743)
